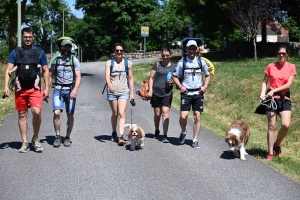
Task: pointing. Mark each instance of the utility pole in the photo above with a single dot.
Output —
(63, 22)
(19, 23)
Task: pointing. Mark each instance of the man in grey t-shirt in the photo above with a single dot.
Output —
(66, 79)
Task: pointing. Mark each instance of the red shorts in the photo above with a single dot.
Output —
(27, 98)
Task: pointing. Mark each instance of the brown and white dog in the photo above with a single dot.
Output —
(237, 137)
(136, 136)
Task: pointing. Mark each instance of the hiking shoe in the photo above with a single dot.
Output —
(57, 141)
(195, 145)
(156, 135)
(25, 148)
(165, 139)
(270, 157)
(121, 141)
(278, 151)
(67, 142)
(114, 136)
(37, 145)
(182, 138)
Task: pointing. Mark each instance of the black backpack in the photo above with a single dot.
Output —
(27, 61)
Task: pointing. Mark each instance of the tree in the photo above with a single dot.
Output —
(114, 21)
(290, 8)
(8, 20)
(247, 14)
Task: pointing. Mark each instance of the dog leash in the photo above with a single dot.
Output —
(271, 105)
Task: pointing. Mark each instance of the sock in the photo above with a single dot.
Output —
(195, 140)
(183, 132)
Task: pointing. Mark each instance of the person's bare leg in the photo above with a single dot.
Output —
(36, 121)
(56, 121)
(122, 103)
(156, 118)
(114, 116)
(70, 123)
(271, 130)
(22, 122)
(165, 119)
(197, 124)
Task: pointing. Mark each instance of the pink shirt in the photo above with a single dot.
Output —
(279, 75)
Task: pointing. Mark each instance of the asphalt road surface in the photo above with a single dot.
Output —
(96, 168)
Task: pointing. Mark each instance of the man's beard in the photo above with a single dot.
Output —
(66, 52)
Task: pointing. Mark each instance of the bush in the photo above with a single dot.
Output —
(4, 52)
(130, 46)
(103, 58)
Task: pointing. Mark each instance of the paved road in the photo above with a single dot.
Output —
(96, 168)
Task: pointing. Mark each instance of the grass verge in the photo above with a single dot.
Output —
(233, 94)
(7, 105)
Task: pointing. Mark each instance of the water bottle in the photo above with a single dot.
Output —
(169, 76)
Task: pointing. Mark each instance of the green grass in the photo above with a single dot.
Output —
(233, 94)
(7, 105)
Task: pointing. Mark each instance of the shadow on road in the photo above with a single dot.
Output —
(12, 145)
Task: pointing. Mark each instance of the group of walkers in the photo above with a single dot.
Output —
(64, 74)
(66, 77)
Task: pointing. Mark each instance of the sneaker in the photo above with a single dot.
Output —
(195, 145)
(37, 145)
(121, 141)
(156, 135)
(182, 138)
(67, 142)
(270, 157)
(278, 151)
(114, 137)
(165, 139)
(57, 141)
(25, 148)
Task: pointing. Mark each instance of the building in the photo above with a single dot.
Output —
(275, 33)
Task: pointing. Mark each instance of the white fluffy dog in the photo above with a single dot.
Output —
(136, 136)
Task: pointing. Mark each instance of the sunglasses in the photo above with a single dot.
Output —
(27, 37)
(119, 50)
(281, 53)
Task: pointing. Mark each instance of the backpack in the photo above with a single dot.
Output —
(27, 61)
(144, 90)
(112, 62)
(54, 74)
(184, 68)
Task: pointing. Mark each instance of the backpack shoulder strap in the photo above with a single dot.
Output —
(199, 62)
(126, 65)
(112, 62)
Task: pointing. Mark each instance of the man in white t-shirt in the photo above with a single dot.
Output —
(189, 70)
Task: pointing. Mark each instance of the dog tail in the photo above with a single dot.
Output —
(129, 125)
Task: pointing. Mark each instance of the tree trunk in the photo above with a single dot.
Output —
(12, 33)
(254, 47)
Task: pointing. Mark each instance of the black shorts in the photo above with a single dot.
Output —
(196, 101)
(282, 105)
(157, 101)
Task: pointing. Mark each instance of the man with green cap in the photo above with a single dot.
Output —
(65, 73)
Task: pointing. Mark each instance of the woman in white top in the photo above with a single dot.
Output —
(120, 88)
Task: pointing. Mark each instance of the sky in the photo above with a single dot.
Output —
(77, 13)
